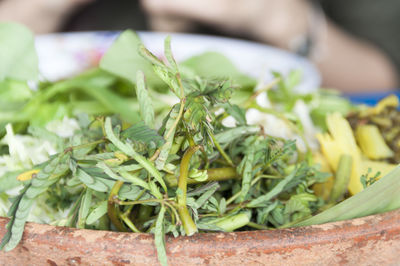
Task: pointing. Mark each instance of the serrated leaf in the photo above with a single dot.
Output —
(18, 222)
(99, 211)
(145, 53)
(11, 213)
(169, 78)
(140, 132)
(237, 113)
(262, 213)
(263, 199)
(168, 54)
(166, 148)
(131, 192)
(230, 135)
(84, 208)
(123, 176)
(203, 189)
(145, 103)
(135, 180)
(91, 181)
(248, 162)
(129, 151)
(159, 237)
(206, 195)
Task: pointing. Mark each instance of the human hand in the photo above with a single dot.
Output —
(275, 21)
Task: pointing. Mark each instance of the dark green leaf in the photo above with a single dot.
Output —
(263, 199)
(140, 132)
(127, 149)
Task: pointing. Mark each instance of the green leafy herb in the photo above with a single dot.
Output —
(140, 165)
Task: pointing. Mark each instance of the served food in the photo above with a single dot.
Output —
(145, 144)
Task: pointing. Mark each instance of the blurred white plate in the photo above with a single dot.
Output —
(64, 54)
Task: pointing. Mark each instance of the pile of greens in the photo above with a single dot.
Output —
(135, 163)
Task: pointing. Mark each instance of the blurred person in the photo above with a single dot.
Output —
(41, 16)
(353, 43)
(360, 55)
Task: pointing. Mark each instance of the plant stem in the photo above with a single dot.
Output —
(214, 174)
(129, 223)
(234, 222)
(136, 202)
(187, 221)
(255, 180)
(258, 226)
(70, 149)
(223, 153)
(258, 92)
(112, 208)
(190, 139)
(181, 108)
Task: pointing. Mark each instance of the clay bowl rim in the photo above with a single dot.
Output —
(384, 223)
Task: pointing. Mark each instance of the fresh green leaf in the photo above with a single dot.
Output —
(166, 148)
(145, 103)
(216, 65)
(207, 195)
(140, 132)
(99, 210)
(382, 196)
(237, 113)
(18, 58)
(12, 213)
(124, 60)
(230, 135)
(261, 200)
(129, 151)
(248, 163)
(159, 236)
(168, 54)
(90, 181)
(84, 208)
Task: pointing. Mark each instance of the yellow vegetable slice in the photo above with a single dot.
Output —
(389, 101)
(375, 167)
(339, 141)
(372, 143)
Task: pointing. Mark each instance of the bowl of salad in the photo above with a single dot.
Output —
(183, 149)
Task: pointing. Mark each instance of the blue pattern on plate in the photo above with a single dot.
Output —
(370, 98)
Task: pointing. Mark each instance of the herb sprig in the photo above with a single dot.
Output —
(192, 174)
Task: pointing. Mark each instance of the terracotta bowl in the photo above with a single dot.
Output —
(372, 240)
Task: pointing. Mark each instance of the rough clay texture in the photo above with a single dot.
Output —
(372, 240)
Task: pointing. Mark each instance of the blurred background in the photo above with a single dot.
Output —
(355, 44)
